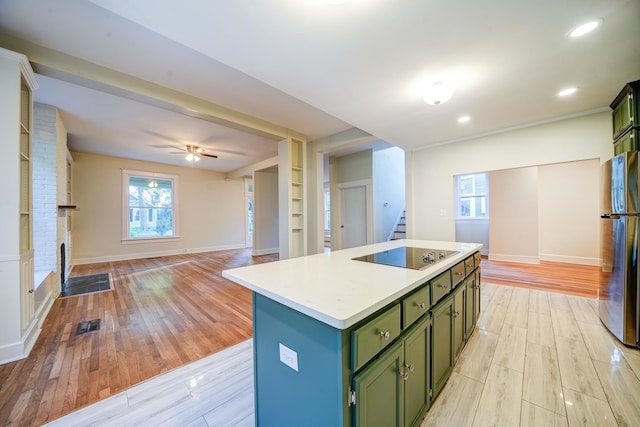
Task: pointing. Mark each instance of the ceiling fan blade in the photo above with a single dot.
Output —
(213, 156)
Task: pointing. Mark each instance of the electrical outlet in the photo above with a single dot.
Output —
(289, 357)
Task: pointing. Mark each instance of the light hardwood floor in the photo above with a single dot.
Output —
(536, 358)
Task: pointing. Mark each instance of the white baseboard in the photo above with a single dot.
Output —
(153, 254)
(570, 259)
(257, 252)
(514, 258)
(21, 349)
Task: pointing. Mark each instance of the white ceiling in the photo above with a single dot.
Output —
(320, 69)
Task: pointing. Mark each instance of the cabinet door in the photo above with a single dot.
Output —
(623, 113)
(416, 368)
(476, 296)
(441, 344)
(379, 391)
(458, 321)
(469, 312)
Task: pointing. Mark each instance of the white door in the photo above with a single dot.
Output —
(353, 216)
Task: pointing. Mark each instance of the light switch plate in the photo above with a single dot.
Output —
(289, 357)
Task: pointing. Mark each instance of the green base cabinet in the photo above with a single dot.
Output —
(417, 365)
(386, 370)
(379, 391)
(394, 389)
(459, 333)
(442, 344)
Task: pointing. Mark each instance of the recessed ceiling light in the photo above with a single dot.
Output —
(463, 119)
(583, 29)
(438, 92)
(568, 91)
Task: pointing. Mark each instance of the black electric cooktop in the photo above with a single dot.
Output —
(408, 257)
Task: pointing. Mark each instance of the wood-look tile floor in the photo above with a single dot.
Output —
(536, 358)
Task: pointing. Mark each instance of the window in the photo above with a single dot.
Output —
(150, 205)
(327, 210)
(472, 196)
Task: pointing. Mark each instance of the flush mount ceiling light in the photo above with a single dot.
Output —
(586, 28)
(463, 119)
(568, 91)
(438, 92)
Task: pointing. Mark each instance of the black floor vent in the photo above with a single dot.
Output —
(88, 326)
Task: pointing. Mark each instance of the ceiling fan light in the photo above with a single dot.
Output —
(190, 157)
(196, 158)
(438, 93)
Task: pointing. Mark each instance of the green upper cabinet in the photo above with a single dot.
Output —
(627, 141)
(625, 109)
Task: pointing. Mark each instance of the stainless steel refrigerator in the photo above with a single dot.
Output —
(618, 296)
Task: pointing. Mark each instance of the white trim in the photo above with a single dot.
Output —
(126, 175)
(514, 258)
(567, 259)
(21, 349)
(150, 240)
(265, 251)
(125, 257)
(512, 128)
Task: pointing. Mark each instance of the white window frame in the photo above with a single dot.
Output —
(459, 195)
(126, 175)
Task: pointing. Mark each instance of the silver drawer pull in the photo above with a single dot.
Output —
(441, 285)
(456, 313)
(409, 366)
(421, 305)
(459, 273)
(385, 335)
(404, 375)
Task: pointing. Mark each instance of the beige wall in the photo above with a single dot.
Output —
(265, 202)
(568, 208)
(513, 215)
(430, 172)
(210, 210)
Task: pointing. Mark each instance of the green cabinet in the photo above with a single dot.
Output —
(379, 391)
(459, 332)
(417, 346)
(394, 389)
(472, 303)
(627, 142)
(625, 109)
(441, 344)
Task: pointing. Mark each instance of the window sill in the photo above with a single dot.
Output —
(150, 240)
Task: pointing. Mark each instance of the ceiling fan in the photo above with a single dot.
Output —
(194, 153)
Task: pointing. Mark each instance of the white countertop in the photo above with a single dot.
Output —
(336, 290)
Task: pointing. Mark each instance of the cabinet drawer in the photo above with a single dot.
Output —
(457, 274)
(477, 258)
(369, 339)
(415, 305)
(440, 286)
(469, 265)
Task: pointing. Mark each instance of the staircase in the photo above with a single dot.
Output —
(400, 232)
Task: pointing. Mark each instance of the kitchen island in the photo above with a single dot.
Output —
(342, 342)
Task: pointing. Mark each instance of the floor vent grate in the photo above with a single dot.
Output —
(88, 326)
